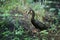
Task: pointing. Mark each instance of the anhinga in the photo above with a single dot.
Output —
(39, 25)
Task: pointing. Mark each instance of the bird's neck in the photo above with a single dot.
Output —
(33, 15)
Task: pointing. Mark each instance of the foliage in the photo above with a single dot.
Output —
(17, 31)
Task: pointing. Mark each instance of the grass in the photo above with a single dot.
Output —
(19, 32)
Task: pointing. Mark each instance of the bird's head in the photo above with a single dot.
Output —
(30, 11)
(31, 14)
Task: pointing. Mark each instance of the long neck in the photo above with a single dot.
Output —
(33, 15)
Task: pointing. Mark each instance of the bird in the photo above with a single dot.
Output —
(36, 23)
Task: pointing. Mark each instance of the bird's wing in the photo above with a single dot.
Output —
(39, 23)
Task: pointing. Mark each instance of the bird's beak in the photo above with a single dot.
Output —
(30, 12)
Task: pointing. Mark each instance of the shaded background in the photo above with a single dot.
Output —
(15, 24)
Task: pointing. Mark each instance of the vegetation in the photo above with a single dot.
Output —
(15, 23)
